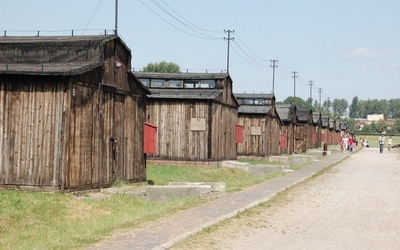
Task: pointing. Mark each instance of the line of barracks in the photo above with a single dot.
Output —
(74, 116)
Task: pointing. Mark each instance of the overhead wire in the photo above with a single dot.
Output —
(254, 62)
(239, 46)
(200, 35)
(256, 57)
(192, 24)
(92, 16)
(249, 62)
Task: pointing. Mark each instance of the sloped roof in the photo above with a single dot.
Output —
(285, 111)
(316, 117)
(253, 96)
(199, 94)
(303, 115)
(181, 76)
(325, 121)
(253, 109)
(51, 55)
(48, 69)
(332, 124)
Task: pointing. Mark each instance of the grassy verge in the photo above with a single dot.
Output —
(60, 221)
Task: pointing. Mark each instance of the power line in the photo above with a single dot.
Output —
(192, 24)
(246, 60)
(184, 31)
(91, 17)
(254, 63)
(256, 57)
(180, 21)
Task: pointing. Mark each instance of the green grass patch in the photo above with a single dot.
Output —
(261, 161)
(235, 179)
(30, 220)
(60, 221)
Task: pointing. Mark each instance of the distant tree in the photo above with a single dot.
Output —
(316, 105)
(353, 109)
(339, 106)
(396, 126)
(162, 67)
(309, 100)
(300, 103)
(375, 106)
(327, 106)
(351, 123)
(394, 108)
(361, 109)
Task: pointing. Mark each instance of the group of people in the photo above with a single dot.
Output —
(348, 143)
(364, 143)
(382, 143)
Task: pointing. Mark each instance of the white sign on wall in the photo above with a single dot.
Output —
(255, 130)
(198, 124)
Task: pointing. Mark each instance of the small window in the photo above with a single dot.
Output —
(175, 84)
(247, 101)
(157, 83)
(145, 82)
(207, 84)
(191, 83)
(259, 101)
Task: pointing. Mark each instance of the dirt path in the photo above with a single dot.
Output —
(354, 205)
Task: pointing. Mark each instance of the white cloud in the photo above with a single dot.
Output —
(367, 53)
(388, 67)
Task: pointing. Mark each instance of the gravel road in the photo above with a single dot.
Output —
(354, 205)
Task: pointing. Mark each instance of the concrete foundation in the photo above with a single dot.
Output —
(166, 193)
(259, 169)
(215, 186)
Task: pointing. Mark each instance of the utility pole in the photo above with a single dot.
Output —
(116, 17)
(320, 92)
(229, 39)
(311, 83)
(273, 74)
(294, 84)
(329, 104)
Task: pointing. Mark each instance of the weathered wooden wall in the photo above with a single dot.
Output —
(264, 144)
(52, 131)
(316, 130)
(301, 137)
(253, 144)
(273, 130)
(31, 125)
(287, 130)
(175, 139)
(223, 132)
(105, 138)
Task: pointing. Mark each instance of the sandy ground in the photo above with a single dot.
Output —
(353, 205)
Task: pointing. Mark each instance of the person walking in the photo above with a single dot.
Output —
(345, 143)
(389, 143)
(381, 143)
(351, 144)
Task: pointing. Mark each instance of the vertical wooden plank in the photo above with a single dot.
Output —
(59, 100)
(3, 133)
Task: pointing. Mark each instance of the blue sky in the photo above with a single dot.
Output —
(346, 47)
